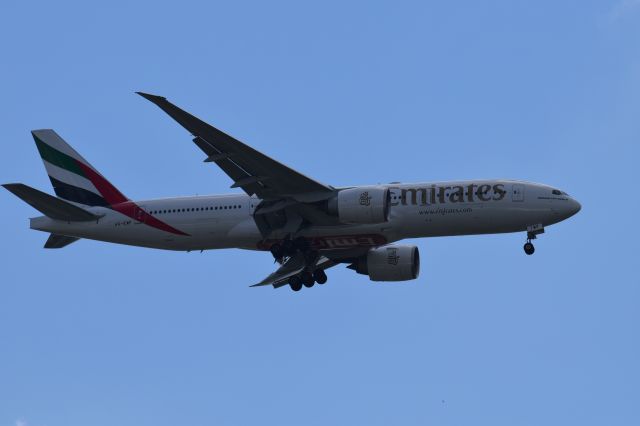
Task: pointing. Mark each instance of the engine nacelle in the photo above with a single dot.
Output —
(390, 263)
(362, 205)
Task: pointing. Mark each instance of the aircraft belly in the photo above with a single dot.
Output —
(469, 218)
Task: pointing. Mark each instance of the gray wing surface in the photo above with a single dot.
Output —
(249, 169)
(292, 267)
(296, 264)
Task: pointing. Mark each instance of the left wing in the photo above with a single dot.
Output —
(250, 169)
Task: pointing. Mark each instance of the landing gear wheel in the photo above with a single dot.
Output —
(320, 276)
(529, 248)
(307, 280)
(295, 283)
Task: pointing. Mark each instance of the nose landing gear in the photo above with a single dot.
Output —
(529, 248)
(532, 233)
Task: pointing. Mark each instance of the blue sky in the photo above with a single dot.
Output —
(349, 93)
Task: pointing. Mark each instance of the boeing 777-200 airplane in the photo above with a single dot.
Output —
(306, 225)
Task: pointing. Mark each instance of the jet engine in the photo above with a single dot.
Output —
(389, 263)
(362, 205)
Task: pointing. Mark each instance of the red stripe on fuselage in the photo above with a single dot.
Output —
(135, 212)
(122, 204)
(334, 241)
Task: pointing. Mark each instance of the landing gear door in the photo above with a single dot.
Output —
(517, 192)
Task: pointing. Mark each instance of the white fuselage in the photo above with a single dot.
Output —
(417, 210)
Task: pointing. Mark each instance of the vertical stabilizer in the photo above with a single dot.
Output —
(72, 177)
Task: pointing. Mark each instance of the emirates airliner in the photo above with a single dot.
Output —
(307, 226)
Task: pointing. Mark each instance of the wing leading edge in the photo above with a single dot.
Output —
(249, 169)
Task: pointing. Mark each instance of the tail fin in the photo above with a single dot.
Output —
(72, 177)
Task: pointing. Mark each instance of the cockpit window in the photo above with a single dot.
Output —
(556, 192)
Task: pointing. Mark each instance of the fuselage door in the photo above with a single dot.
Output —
(139, 214)
(517, 192)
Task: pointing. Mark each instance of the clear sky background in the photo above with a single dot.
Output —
(349, 93)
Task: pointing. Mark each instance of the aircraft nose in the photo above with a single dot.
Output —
(574, 207)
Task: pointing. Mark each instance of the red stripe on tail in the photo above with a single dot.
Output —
(108, 191)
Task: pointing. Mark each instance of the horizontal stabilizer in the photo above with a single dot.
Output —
(56, 241)
(50, 206)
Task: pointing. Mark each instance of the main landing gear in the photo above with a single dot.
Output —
(532, 233)
(289, 248)
(307, 279)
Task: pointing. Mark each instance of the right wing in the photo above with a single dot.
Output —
(291, 267)
(249, 169)
(296, 264)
